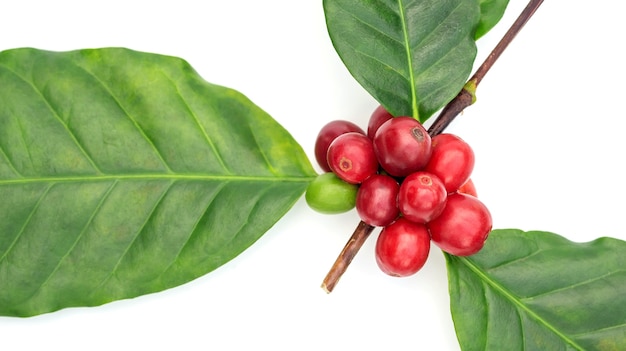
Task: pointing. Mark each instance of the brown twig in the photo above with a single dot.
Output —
(465, 98)
(361, 233)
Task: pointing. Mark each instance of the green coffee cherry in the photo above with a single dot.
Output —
(330, 195)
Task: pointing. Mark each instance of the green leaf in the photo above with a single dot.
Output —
(540, 291)
(491, 12)
(412, 56)
(125, 173)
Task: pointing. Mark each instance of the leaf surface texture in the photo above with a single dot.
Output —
(412, 56)
(540, 291)
(124, 173)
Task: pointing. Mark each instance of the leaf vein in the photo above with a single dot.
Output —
(487, 310)
(247, 218)
(599, 330)
(196, 120)
(401, 43)
(245, 222)
(19, 122)
(370, 25)
(515, 260)
(149, 176)
(574, 286)
(390, 92)
(141, 131)
(522, 328)
(410, 63)
(261, 150)
(10, 163)
(24, 143)
(90, 159)
(57, 116)
(26, 222)
(135, 237)
(193, 229)
(441, 23)
(384, 64)
(452, 51)
(516, 301)
(76, 241)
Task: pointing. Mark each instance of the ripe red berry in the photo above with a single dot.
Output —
(378, 117)
(351, 157)
(422, 197)
(327, 134)
(468, 188)
(377, 200)
(402, 248)
(463, 226)
(402, 146)
(452, 160)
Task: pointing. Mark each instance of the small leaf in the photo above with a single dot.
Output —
(540, 291)
(413, 56)
(124, 173)
(491, 12)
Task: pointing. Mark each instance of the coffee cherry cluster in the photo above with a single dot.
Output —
(417, 188)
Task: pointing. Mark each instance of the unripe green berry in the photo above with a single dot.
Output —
(330, 195)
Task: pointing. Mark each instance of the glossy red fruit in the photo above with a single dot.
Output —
(378, 117)
(402, 248)
(402, 146)
(377, 200)
(452, 160)
(327, 134)
(351, 157)
(468, 188)
(463, 226)
(422, 197)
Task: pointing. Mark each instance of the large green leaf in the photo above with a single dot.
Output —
(124, 173)
(491, 12)
(540, 291)
(413, 56)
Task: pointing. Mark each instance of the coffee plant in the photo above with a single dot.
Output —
(125, 173)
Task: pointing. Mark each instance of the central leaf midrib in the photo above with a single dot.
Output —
(508, 295)
(148, 176)
(409, 58)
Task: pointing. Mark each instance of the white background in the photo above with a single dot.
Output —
(547, 132)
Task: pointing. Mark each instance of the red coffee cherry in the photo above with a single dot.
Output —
(378, 117)
(463, 226)
(452, 160)
(468, 188)
(402, 248)
(422, 197)
(351, 157)
(402, 146)
(327, 134)
(377, 200)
